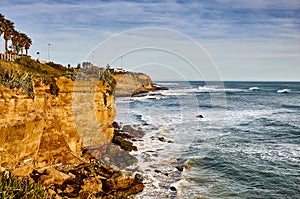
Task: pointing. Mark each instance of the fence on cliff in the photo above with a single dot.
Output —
(10, 57)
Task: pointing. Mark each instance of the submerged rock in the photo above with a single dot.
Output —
(200, 116)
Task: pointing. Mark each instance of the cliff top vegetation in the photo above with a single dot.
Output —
(21, 72)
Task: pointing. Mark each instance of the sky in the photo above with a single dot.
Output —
(238, 40)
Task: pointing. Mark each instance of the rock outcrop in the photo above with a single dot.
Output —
(38, 132)
(53, 129)
(45, 133)
(129, 84)
(88, 180)
(94, 111)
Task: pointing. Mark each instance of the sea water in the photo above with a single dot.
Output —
(249, 149)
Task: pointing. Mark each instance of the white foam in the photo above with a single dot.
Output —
(148, 97)
(203, 88)
(253, 88)
(284, 90)
(167, 83)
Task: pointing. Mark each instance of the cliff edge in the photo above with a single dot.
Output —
(48, 119)
(130, 84)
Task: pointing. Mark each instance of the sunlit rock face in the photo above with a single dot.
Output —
(51, 129)
(94, 111)
(48, 129)
(40, 131)
(129, 84)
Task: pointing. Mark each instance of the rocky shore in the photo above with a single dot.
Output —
(133, 84)
(57, 129)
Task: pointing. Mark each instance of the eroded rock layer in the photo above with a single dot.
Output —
(129, 84)
(51, 129)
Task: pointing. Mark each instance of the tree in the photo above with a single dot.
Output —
(19, 40)
(8, 29)
(1, 23)
(28, 43)
(16, 39)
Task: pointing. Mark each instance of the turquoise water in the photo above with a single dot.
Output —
(246, 146)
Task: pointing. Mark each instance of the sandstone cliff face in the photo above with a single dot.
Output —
(129, 84)
(94, 111)
(52, 129)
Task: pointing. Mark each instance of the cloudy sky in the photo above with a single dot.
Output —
(243, 39)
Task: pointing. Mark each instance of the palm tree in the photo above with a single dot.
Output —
(16, 39)
(19, 40)
(26, 42)
(8, 29)
(1, 23)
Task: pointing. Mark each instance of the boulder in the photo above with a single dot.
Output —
(93, 184)
(120, 181)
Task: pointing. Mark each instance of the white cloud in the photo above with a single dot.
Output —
(259, 30)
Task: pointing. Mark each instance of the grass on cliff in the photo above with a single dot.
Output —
(21, 72)
(11, 187)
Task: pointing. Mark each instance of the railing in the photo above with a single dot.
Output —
(9, 57)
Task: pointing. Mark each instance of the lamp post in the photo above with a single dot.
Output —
(49, 46)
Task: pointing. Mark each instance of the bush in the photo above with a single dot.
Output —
(11, 187)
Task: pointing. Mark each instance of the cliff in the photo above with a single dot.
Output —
(129, 84)
(55, 123)
(47, 121)
(37, 132)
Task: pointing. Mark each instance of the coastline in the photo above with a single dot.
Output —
(161, 177)
(52, 152)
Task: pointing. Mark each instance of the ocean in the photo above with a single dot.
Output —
(247, 145)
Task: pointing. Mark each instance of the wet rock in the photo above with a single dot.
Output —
(124, 135)
(180, 168)
(128, 129)
(137, 133)
(139, 178)
(89, 180)
(134, 148)
(116, 125)
(124, 144)
(119, 181)
(199, 116)
(114, 155)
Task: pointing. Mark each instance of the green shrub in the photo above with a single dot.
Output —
(107, 76)
(11, 187)
(16, 79)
